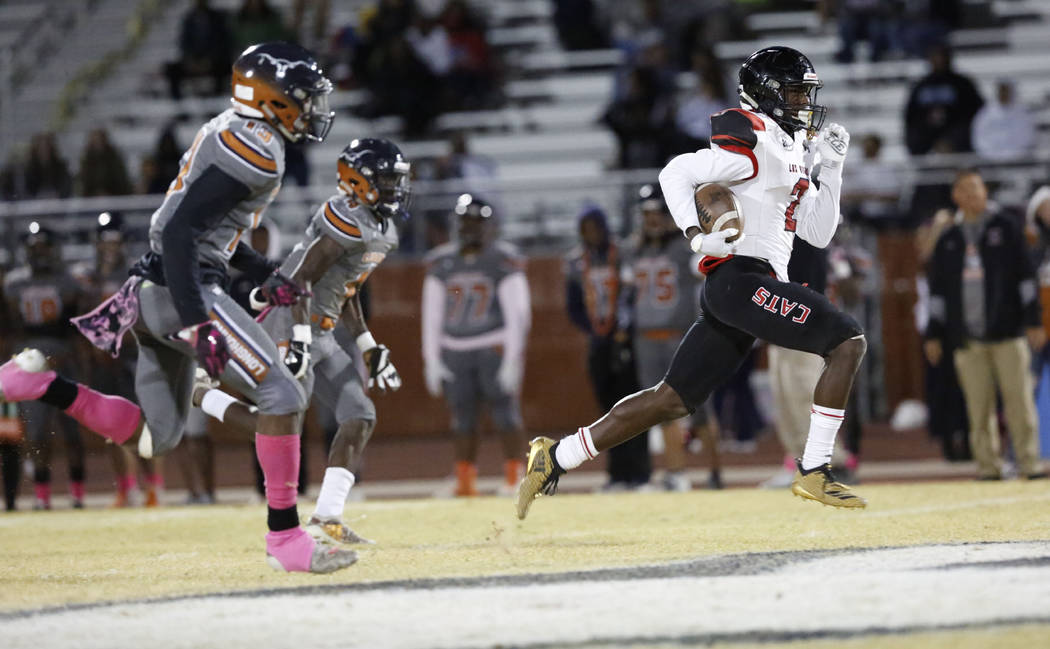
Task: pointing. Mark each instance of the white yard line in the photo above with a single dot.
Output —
(903, 588)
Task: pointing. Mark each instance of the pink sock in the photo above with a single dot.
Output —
(789, 462)
(76, 489)
(155, 480)
(43, 492)
(279, 459)
(115, 418)
(292, 548)
(126, 483)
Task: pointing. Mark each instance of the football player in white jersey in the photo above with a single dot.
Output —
(764, 151)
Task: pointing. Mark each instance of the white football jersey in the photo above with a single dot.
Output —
(766, 169)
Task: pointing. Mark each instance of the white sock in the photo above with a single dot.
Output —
(823, 426)
(215, 403)
(574, 449)
(334, 490)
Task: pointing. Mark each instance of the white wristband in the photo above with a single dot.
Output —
(301, 333)
(365, 341)
(216, 402)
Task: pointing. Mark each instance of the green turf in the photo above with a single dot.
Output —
(56, 558)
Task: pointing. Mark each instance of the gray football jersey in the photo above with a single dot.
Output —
(366, 243)
(471, 284)
(43, 303)
(246, 149)
(665, 286)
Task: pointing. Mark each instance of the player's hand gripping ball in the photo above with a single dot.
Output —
(721, 221)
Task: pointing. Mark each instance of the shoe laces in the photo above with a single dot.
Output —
(550, 485)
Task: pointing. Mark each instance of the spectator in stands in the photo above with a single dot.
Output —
(578, 23)
(693, 115)
(1003, 129)
(921, 24)
(864, 19)
(941, 108)
(640, 120)
(257, 22)
(984, 302)
(402, 85)
(592, 299)
(102, 170)
(320, 23)
(45, 173)
(168, 154)
(431, 44)
(205, 50)
(473, 73)
(872, 191)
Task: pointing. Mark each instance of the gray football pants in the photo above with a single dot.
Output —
(164, 373)
(333, 376)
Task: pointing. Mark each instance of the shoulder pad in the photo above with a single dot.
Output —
(341, 219)
(736, 127)
(252, 147)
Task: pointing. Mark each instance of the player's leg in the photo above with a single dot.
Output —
(463, 395)
(708, 353)
(11, 467)
(337, 385)
(505, 411)
(653, 356)
(67, 427)
(255, 370)
(36, 418)
(744, 295)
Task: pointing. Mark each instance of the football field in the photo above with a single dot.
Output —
(954, 564)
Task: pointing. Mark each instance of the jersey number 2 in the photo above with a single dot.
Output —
(789, 214)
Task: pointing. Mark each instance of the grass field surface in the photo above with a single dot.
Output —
(644, 569)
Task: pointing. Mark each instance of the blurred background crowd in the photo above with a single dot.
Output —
(558, 112)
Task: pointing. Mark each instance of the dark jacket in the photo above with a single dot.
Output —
(1011, 292)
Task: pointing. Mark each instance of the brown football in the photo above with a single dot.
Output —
(718, 209)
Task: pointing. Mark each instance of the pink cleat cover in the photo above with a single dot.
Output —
(17, 384)
(293, 549)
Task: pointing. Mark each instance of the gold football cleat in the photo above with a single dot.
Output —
(541, 474)
(818, 484)
(333, 531)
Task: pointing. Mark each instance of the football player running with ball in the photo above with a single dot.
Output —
(348, 237)
(764, 151)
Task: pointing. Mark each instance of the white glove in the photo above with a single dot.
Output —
(381, 372)
(434, 375)
(715, 244)
(297, 356)
(256, 301)
(508, 376)
(832, 144)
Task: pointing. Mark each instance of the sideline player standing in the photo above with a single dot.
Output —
(761, 149)
(40, 298)
(346, 240)
(476, 317)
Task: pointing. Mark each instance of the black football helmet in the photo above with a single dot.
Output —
(474, 218)
(651, 198)
(374, 172)
(781, 82)
(283, 84)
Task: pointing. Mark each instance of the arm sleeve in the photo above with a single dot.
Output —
(514, 302)
(935, 327)
(256, 266)
(819, 209)
(574, 304)
(208, 199)
(680, 178)
(433, 316)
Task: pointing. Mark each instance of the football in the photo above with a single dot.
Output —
(718, 209)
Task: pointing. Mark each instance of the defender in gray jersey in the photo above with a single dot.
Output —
(40, 298)
(476, 316)
(230, 174)
(348, 237)
(664, 281)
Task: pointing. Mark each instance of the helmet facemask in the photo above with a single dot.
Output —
(385, 189)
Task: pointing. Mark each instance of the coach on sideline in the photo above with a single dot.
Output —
(984, 300)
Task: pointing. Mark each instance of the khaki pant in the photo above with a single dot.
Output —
(793, 376)
(981, 368)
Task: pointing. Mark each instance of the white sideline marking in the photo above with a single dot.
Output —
(901, 588)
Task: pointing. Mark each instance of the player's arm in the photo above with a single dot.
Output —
(731, 158)
(208, 199)
(433, 307)
(819, 206)
(381, 371)
(515, 304)
(1028, 286)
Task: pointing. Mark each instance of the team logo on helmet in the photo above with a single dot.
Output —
(282, 65)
